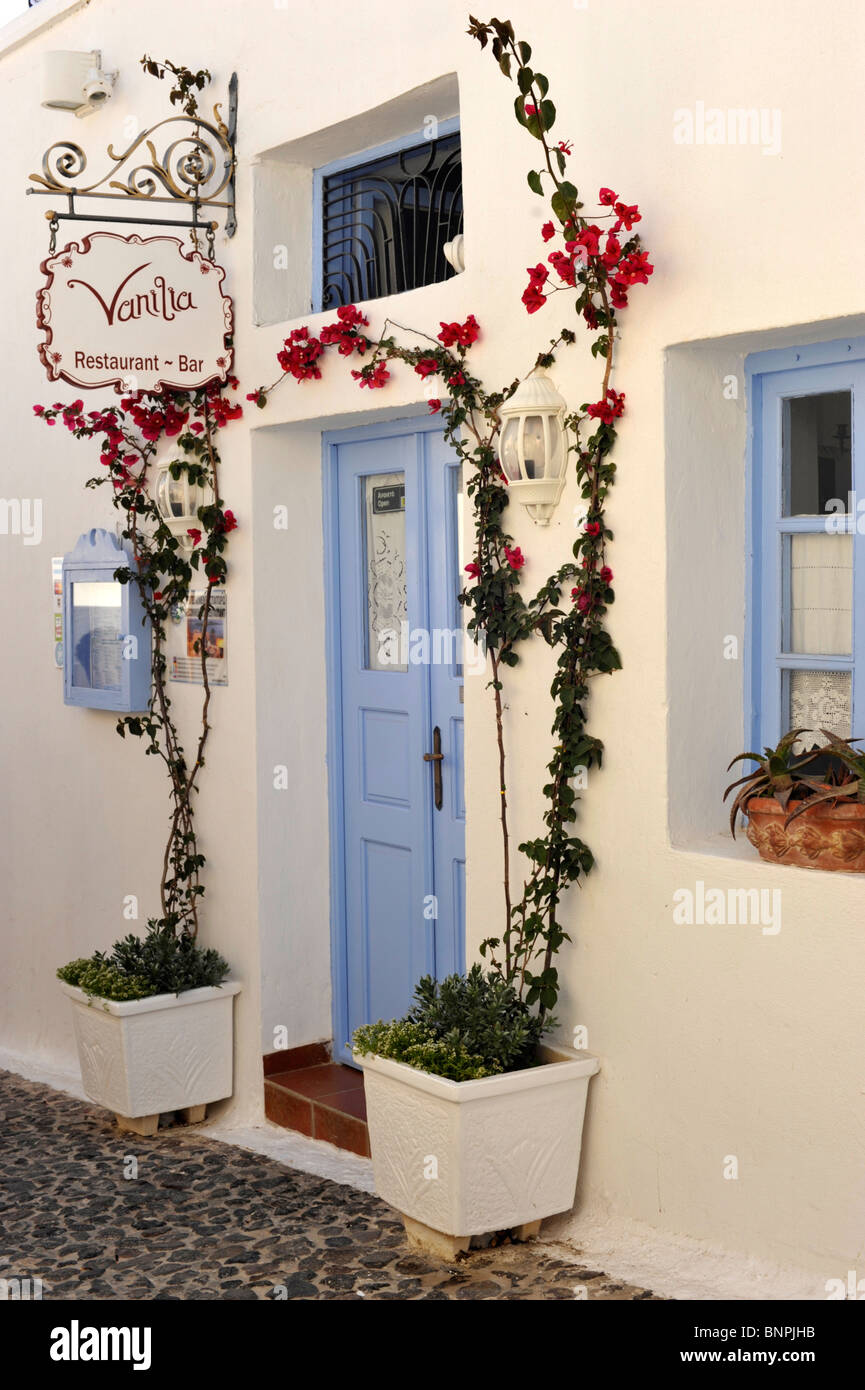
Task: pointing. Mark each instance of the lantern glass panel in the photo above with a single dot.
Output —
(534, 451)
(509, 453)
(177, 499)
(555, 463)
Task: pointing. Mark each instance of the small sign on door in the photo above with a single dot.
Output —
(389, 499)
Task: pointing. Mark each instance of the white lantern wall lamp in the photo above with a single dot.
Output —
(178, 500)
(533, 445)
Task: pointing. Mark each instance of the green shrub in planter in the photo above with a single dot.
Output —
(138, 967)
(462, 1028)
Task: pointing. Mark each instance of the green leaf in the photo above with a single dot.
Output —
(561, 207)
(525, 78)
(548, 114)
(525, 52)
(534, 181)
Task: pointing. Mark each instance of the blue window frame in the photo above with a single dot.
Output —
(381, 218)
(106, 640)
(806, 609)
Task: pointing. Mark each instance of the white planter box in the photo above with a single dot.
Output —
(505, 1150)
(147, 1056)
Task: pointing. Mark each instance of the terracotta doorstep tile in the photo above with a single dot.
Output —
(310, 1055)
(345, 1131)
(317, 1082)
(346, 1102)
(284, 1108)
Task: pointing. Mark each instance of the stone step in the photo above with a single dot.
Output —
(325, 1101)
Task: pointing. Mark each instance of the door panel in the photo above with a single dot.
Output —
(388, 944)
(399, 871)
(446, 692)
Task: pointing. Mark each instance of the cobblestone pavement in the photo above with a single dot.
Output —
(205, 1220)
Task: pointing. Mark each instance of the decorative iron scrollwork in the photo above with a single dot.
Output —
(196, 169)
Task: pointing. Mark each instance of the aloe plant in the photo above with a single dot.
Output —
(849, 783)
(778, 774)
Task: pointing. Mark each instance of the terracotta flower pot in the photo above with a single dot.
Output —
(825, 837)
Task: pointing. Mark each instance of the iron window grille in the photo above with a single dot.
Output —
(385, 222)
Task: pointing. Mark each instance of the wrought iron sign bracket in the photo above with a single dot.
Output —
(196, 170)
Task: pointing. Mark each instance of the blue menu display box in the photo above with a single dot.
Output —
(106, 638)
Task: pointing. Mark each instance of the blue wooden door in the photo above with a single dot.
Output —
(397, 811)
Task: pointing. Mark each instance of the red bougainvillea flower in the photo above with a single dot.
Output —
(606, 574)
(344, 332)
(473, 569)
(607, 197)
(627, 215)
(426, 366)
(195, 534)
(435, 405)
(548, 231)
(589, 238)
(38, 410)
(531, 297)
(610, 409)
(565, 146)
(612, 251)
(515, 558)
(592, 528)
(564, 266)
(300, 354)
(374, 377)
(634, 269)
(157, 595)
(229, 522)
(460, 334)
(457, 379)
(531, 110)
(618, 297)
(351, 316)
(224, 410)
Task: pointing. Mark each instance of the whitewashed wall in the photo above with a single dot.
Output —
(713, 1041)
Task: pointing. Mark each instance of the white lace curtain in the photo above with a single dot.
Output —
(821, 623)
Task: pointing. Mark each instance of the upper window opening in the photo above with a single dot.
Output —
(385, 221)
(817, 456)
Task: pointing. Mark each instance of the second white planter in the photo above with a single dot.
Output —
(144, 1057)
(465, 1158)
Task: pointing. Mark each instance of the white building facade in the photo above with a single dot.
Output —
(728, 1111)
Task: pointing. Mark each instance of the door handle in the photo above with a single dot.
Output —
(436, 757)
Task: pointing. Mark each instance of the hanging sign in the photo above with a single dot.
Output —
(136, 313)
